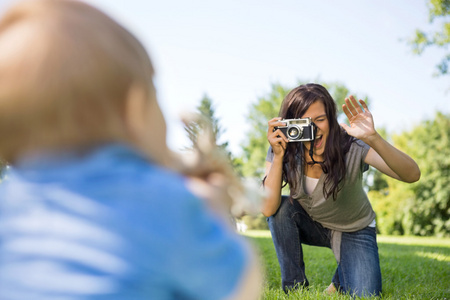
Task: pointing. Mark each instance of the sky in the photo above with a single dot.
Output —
(234, 50)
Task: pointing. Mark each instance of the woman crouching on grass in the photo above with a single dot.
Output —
(327, 205)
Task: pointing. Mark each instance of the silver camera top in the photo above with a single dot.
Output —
(303, 122)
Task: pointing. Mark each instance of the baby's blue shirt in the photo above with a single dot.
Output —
(110, 225)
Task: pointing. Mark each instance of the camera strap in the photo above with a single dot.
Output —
(311, 150)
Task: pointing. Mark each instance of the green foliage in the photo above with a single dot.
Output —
(429, 209)
(194, 129)
(421, 208)
(438, 9)
(266, 108)
(257, 222)
(389, 206)
(412, 268)
(255, 147)
(207, 110)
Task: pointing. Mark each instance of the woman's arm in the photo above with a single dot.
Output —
(391, 161)
(274, 170)
(382, 155)
(272, 185)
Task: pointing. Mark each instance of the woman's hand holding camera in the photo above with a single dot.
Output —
(276, 138)
(273, 177)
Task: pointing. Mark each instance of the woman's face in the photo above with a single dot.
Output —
(318, 115)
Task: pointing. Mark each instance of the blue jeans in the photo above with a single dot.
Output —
(358, 271)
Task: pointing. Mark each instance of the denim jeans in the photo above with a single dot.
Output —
(358, 271)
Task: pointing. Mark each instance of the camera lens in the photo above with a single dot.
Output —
(294, 132)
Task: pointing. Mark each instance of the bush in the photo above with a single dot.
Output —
(257, 222)
(421, 208)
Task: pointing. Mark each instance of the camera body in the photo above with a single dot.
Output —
(298, 130)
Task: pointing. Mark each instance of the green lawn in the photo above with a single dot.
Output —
(412, 268)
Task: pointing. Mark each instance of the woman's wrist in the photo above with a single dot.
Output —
(278, 158)
(372, 139)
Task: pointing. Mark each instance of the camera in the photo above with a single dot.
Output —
(298, 130)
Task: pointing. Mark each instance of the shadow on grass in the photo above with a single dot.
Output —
(408, 271)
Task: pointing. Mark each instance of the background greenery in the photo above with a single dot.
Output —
(438, 12)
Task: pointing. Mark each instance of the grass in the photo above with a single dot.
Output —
(412, 268)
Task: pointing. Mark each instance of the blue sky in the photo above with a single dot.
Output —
(234, 50)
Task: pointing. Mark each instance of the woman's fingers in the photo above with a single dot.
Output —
(356, 105)
(279, 148)
(274, 133)
(278, 134)
(277, 138)
(352, 107)
(274, 123)
(364, 105)
(347, 111)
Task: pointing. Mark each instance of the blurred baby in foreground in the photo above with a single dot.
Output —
(95, 206)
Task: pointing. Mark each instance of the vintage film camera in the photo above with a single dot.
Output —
(298, 130)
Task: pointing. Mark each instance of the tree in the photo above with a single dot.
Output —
(194, 129)
(255, 147)
(428, 211)
(421, 208)
(438, 9)
(266, 108)
(206, 110)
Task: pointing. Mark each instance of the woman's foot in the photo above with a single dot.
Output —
(331, 289)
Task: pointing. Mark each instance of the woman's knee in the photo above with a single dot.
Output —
(282, 215)
(284, 210)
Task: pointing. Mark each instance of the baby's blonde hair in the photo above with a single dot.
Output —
(66, 69)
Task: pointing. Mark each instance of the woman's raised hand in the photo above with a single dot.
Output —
(360, 119)
(276, 138)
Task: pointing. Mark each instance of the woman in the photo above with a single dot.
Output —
(327, 205)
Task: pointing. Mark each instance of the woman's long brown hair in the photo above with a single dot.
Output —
(294, 105)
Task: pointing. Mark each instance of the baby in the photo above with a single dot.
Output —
(93, 207)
